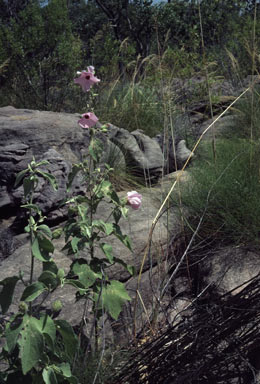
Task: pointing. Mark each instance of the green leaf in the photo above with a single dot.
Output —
(105, 187)
(117, 215)
(114, 295)
(33, 207)
(6, 295)
(114, 197)
(46, 245)
(124, 211)
(49, 376)
(50, 178)
(65, 369)
(50, 266)
(32, 291)
(129, 268)
(123, 238)
(49, 279)
(36, 250)
(70, 340)
(41, 162)
(77, 284)
(12, 332)
(45, 230)
(108, 251)
(41, 247)
(95, 149)
(31, 343)
(74, 244)
(27, 186)
(48, 327)
(85, 274)
(72, 380)
(107, 228)
(56, 234)
(20, 176)
(75, 170)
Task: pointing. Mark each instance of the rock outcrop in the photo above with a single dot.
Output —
(56, 137)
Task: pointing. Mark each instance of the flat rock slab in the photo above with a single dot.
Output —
(137, 227)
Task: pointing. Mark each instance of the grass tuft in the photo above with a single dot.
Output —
(226, 193)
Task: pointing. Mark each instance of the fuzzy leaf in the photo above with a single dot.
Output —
(107, 228)
(7, 292)
(33, 207)
(50, 266)
(114, 295)
(123, 238)
(74, 244)
(108, 251)
(114, 197)
(32, 291)
(70, 340)
(95, 149)
(117, 215)
(77, 284)
(12, 332)
(27, 186)
(49, 279)
(41, 247)
(48, 327)
(65, 369)
(20, 176)
(46, 245)
(49, 376)
(31, 343)
(129, 268)
(45, 230)
(50, 178)
(105, 187)
(75, 170)
(36, 250)
(85, 274)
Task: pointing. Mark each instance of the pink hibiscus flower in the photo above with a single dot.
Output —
(86, 79)
(134, 199)
(88, 120)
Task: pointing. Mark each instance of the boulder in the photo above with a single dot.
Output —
(230, 268)
(56, 137)
(143, 155)
(137, 226)
(175, 152)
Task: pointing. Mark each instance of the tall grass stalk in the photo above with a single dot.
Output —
(252, 82)
(207, 80)
(157, 216)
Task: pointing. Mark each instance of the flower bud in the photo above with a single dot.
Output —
(56, 306)
(23, 307)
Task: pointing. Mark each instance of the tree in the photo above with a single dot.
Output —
(11, 8)
(44, 55)
(132, 20)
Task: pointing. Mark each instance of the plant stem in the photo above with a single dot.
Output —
(32, 257)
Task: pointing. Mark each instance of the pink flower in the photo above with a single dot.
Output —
(88, 120)
(86, 78)
(134, 199)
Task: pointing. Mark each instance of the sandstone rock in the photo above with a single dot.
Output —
(175, 154)
(182, 153)
(229, 268)
(142, 154)
(57, 138)
(137, 227)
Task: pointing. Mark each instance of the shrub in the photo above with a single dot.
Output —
(132, 106)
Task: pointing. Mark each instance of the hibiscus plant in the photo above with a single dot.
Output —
(40, 346)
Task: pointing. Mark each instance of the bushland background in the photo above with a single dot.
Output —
(137, 47)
